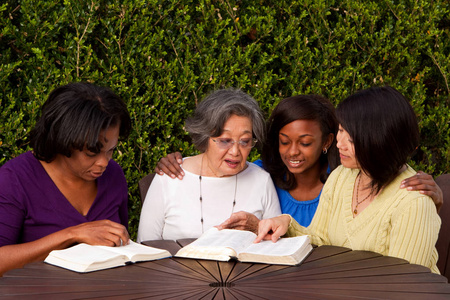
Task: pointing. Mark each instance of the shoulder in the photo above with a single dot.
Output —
(255, 171)
(256, 178)
(168, 183)
(404, 202)
(404, 197)
(413, 206)
(192, 164)
(21, 162)
(394, 191)
(21, 179)
(23, 167)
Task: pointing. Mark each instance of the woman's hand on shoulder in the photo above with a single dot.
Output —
(273, 228)
(170, 165)
(426, 185)
(102, 232)
(241, 220)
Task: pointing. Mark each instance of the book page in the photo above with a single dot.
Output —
(284, 246)
(286, 251)
(218, 245)
(84, 254)
(137, 252)
(83, 257)
(237, 240)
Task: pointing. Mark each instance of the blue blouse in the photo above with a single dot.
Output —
(301, 211)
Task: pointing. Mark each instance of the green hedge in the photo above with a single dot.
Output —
(162, 57)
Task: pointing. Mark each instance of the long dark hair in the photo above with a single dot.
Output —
(302, 107)
(384, 130)
(72, 118)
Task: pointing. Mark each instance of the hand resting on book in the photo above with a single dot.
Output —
(241, 220)
(273, 228)
(102, 232)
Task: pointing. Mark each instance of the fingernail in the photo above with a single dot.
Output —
(172, 175)
(402, 186)
(409, 188)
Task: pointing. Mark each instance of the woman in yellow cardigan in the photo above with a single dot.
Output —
(362, 206)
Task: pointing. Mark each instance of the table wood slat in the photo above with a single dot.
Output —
(350, 269)
(184, 242)
(414, 288)
(171, 246)
(175, 267)
(326, 251)
(244, 270)
(226, 270)
(268, 293)
(355, 279)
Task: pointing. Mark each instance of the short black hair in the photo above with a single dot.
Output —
(72, 118)
(384, 130)
(300, 107)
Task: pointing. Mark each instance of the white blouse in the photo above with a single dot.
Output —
(172, 208)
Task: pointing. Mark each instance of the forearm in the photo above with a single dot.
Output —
(18, 255)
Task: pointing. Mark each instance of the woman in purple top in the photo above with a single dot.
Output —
(68, 190)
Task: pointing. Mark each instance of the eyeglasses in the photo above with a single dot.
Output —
(224, 143)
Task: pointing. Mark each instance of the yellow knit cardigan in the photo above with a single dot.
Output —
(397, 223)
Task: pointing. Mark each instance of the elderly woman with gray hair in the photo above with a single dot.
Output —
(225, 127)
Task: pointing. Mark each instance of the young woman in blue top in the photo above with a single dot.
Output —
(299, 153)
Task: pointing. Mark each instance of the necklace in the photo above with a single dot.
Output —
(355, 211)
(201, 196)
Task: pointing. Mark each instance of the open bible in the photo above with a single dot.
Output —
(86, 258)
(226, 244)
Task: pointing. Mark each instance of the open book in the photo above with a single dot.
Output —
(229, 243)
(86, 258)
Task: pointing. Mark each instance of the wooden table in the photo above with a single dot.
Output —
(328, 273)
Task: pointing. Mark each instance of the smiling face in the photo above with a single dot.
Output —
(346, 149)
(301, 144)
(87, 165)
(229, 162)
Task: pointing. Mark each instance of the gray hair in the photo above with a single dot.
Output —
(211, 114)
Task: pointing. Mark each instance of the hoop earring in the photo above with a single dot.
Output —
(325, 151)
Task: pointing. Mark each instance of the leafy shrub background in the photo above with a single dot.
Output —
(162, 57)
